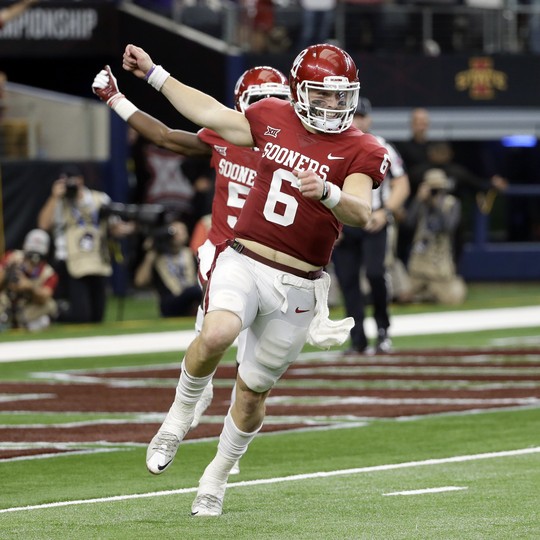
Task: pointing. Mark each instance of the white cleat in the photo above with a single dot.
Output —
(161, 451)
(202, 404)
(207, 505)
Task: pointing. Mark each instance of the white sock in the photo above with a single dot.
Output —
(190, 388)
(188, 392)
(232, 445)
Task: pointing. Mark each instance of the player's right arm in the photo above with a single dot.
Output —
(200, 108)
(176, 140)
(105, 86)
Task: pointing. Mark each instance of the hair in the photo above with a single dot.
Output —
(72, 170)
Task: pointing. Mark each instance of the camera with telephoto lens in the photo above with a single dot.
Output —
(72, 188)
(11, 275)
(153, 220)
(162, 239)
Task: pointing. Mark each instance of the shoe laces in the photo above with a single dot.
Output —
(208, 502)
(166, 444)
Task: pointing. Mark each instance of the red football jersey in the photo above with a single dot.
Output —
(275, 213)
(235, 168)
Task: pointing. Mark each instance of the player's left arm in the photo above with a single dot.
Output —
(350, 204)
(399, 191)
(354, 206)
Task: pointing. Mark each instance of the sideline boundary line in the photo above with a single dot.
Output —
(292, 478)
(175, 341)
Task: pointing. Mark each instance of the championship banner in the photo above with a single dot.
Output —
(61, 29)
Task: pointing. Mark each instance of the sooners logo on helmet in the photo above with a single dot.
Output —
(258, 83)
(319, 69)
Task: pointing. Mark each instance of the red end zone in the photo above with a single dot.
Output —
(312, 393)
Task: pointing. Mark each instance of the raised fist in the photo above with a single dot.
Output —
(137, 61)
(105, 86)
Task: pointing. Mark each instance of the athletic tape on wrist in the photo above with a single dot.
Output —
(123, 108)
(333, 197)
(157, 77)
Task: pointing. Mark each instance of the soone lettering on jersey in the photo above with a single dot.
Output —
(294, 160)
(238, 173)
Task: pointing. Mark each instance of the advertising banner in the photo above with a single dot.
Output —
(61, 29)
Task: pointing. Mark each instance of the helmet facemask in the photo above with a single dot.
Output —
(258, 83)
(257, 92)
(312, 110)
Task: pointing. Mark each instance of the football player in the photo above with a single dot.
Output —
(235, 166)
(315, 173)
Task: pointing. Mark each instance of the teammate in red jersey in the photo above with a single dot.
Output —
(235, 166)
(316, 172)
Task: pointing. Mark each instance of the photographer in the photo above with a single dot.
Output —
(82, 259)
(27, 284)
(169, 265)
(434, 215)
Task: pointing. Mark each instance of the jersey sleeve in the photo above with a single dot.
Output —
(256, 115)
(372, 159)
(208, 136)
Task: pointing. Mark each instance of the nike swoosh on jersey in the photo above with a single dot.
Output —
(298, 310)
(330, 156)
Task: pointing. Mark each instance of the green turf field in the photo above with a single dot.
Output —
(359, 480)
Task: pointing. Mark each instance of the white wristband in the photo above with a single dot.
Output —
(124, 108)
(156, 77)
(333, 197)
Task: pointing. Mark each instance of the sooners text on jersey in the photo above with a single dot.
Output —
(235, 168)
(275, 213)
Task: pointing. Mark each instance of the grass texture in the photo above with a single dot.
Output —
(350, 472)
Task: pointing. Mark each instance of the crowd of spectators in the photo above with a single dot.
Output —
(420, 26)
(62, 272)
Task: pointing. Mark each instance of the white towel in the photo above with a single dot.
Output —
(322, 331)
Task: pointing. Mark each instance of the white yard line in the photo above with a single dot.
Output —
(45, 349)
(424, 491)
(292, 478)
(402, 325)
(70, 453)
(462, 321)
